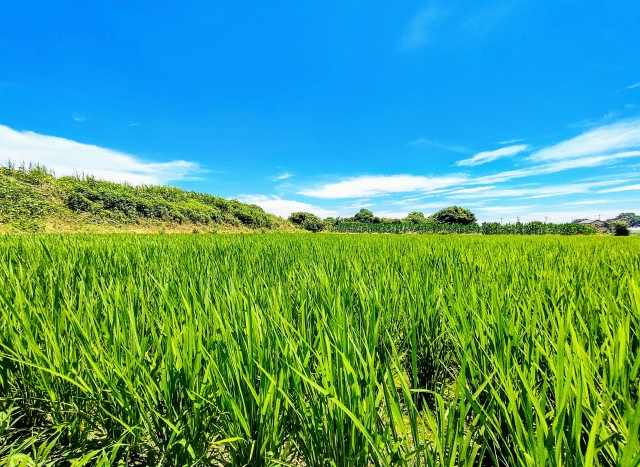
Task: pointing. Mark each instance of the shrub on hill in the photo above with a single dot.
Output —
(32, 194)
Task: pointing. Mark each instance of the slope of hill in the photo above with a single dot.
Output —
(34, 200)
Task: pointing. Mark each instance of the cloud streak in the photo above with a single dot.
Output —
(620, 136)
(619, 189)
(528, 193)
(376, 185)
(68, 157)
(490, 156)
(422, 143)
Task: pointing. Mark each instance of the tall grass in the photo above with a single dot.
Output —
(319, 350)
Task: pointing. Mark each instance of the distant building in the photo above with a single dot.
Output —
(598, 224)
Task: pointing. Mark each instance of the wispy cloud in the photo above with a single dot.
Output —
(375, 185)
(285, 207)
(489, 156)
(423, 143)
(633, 86)
(529, 192)
(511, 141)
(67, 157)
(557, 166)
(132, 124)
(282, 176)
(621, 188)
(620, 136)
(419, 30)
(79, 118)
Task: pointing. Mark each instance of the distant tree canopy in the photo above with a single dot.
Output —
(629, 217)
(450, 215)
(364, 216)
(455, 215)
(415, 217)
(307, 221)
(331, 221)
(389, 220)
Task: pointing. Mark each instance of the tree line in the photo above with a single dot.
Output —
(453, 219)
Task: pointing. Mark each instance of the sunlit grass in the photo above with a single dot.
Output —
(319, 350)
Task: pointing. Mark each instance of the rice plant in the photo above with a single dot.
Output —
(261, 350)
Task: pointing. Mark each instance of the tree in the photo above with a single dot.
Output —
(577, 221)
(307, 221)
(455, 215)
(619, 228)
(364, 215)
(331, 221)
(629, 217)
(415, 217)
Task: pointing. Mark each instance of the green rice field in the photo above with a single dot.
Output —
(319, 350)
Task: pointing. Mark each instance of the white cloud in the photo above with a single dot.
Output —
(621, 188)
(489, 156)
(556, 167)
(621, 136)
(283, 176)
(67, 157)
(637, 85)
(418, 32)
(284, 207)
(527, 192)
(511, 141)
(373, 185)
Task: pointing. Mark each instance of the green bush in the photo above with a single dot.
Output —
(34, 193)
(364, 215)
(455, 215)
(415, 217)
(307, 221)
(619, 228)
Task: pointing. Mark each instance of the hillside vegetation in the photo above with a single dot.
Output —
(34, 200)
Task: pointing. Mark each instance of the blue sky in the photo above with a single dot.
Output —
(511, 109)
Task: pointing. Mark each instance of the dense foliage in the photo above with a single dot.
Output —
(487, 228)
(347, 351)
(30, 195)
(365, 216)
(619, 228)
(630, 218)
(455, 215)
(415, 217)
(307, 221)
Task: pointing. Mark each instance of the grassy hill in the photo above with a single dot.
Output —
(32, 199)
